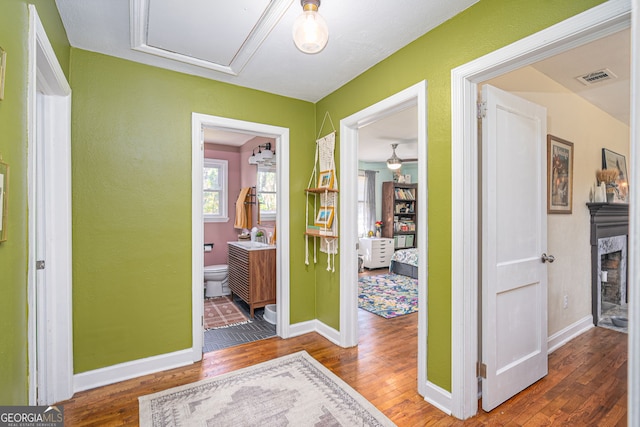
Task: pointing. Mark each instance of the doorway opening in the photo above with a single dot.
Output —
(280, 137)
(593, 24)
(414, 96)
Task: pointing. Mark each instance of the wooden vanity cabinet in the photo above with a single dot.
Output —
(252, 276)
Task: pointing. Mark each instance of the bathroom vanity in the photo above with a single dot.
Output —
(252, 273)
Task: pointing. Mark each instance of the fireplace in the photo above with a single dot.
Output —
(609, 232)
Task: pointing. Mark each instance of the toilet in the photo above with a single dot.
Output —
(216, 278)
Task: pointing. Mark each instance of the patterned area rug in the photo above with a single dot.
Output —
(293, 390)
(388, 295)
(220, 312)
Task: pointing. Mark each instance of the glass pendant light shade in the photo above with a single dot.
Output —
(310, 31)
(253, 160)
(394, 162)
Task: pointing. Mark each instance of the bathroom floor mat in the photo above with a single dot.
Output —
(222, 312)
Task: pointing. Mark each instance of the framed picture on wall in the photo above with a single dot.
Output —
(612, 160)
(559, 175)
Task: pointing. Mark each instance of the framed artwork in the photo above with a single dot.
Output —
(4, 181)
(325, 180)
(325, 216)
(559, 175)
(612, 160)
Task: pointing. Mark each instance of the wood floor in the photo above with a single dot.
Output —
(586, 385)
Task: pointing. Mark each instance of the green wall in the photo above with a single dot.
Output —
(483, 28)
(131, 144)
(131, 166)
(14, 27)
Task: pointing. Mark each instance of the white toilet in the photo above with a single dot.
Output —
(216, 278)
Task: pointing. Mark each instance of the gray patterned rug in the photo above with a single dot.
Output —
(293, 390)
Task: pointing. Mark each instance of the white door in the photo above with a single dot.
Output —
(514, 229)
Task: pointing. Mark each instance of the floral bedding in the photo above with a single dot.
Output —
(407, 256)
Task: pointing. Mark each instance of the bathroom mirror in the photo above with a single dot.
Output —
(266, 192)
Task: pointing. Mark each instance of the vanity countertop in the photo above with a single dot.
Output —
(252, 246)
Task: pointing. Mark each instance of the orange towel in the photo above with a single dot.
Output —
(243, 211)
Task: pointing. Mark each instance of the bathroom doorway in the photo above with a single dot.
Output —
(258, 133)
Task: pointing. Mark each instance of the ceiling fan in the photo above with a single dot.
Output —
(394, 162)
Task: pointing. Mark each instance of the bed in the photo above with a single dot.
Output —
(405, 262)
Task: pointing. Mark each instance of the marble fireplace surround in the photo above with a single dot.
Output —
(609, 232)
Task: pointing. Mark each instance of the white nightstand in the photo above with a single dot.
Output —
(376, 251)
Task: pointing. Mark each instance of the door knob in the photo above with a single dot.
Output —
(548, 258)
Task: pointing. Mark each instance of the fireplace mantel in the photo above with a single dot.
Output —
(607, 220)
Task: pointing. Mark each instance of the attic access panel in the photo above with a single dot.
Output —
(221, 35)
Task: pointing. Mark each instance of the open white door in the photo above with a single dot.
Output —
(514, 230)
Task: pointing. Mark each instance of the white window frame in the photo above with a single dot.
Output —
(266, 215)
(223, 165)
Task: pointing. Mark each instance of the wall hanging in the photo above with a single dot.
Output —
(322, 198)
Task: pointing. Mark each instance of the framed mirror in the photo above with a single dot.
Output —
(266, 192)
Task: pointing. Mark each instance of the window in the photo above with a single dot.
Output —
(362, 228)
(215, 195)
(266, 192)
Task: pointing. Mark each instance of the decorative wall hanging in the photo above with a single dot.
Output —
(3, 67)
(559, 175)
(4, 189)
(322, 223)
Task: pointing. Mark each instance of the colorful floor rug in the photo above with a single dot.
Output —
(388, 295)
(221, 312)
(293, 390)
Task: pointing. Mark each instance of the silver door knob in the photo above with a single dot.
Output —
(548, 258)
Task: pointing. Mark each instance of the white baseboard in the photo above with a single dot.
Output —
(438, 397)
(315, 326)
(562, 337)
(132, 369)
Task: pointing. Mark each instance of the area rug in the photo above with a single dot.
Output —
(388, 295)
(293, 390)
(221, 312)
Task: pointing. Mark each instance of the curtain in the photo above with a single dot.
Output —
(369, 200)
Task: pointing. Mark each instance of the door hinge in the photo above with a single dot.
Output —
(481, 370)
(482, 110)
(40, 265)
(202, 321)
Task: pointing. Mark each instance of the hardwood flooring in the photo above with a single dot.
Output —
(586, 385)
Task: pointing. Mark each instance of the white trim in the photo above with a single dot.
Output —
(139, 11)
(281, 135)
(607, 18)
(132, 369)
(565, 335)
(49, 127)
(438, 397)
(634, 228)
(315, 325)
(414, 95)
(224, 191)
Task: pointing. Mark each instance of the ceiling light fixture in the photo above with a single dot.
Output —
(394, 162)
(310, 31)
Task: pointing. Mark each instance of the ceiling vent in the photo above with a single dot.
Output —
(596, 77)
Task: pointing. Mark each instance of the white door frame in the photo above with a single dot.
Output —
(50, 334)
(595, 23)
(415, 95)
(281, 135)
(634, 231)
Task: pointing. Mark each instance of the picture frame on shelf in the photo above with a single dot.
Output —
(613, 160)
(326, 178)
(325, 216)
(4, 190)
(559, 175)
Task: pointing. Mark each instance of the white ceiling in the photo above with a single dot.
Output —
(211, 32)
(248, 43)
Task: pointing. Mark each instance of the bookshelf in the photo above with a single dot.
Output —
(400, 213)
